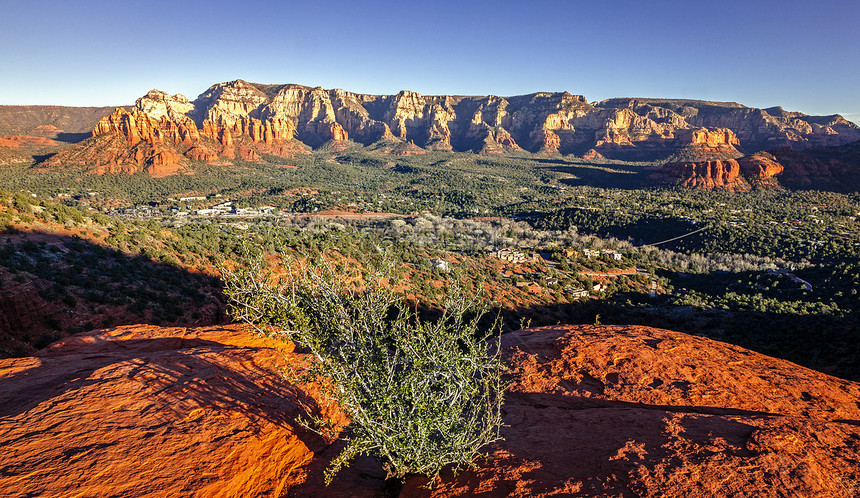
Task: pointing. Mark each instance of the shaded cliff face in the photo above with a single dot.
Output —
(833, 167)
(590, 411)
(286, 119)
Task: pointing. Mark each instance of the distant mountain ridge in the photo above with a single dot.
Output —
(541, 121)
(245, 120)
(25, 119)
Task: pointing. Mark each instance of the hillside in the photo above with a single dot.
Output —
(42, 119)
(34, 133)
(591, 411)
(66, 270)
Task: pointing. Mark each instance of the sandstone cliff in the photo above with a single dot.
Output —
(756, 129)
(590, 411)
(706, 175)
(286, 119)
(823, 167)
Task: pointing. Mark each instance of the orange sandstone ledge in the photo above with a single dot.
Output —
(591, 411)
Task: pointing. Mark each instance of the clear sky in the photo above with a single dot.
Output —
(802, 55)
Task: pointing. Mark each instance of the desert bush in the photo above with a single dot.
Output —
(420, 394)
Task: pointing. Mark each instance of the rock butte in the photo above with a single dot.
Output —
(736, 175)
(287, 119)
(591, 411)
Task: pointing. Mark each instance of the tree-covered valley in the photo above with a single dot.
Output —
(546, 240)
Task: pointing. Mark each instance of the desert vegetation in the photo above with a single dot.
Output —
(738, 296)
(420, 394)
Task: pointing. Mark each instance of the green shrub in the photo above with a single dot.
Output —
(420, 394)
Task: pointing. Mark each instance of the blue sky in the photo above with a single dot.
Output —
(804, 56)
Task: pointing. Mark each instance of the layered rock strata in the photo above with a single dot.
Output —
(555, 122)
(286, 119)
(738, 175)
(706, 175)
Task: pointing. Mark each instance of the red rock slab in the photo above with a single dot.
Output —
(149, 411)
(637, 411)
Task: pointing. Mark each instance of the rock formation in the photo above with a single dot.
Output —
(590, 411)
(164, 163)
(538, 122)
(158, 104)
(756, 129)
(760, 169)
(285, 119)
(710, 138)
(140, 410)
(202, 154)
(618, 411)
(707, 175)
(828, 167)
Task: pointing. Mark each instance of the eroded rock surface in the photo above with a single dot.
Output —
(637, 411)
(591, 411)
(286, 119)
(149, 411)
(737, 175)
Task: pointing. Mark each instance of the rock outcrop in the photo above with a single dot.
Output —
(707, 175)
(590, 411)
(826, 167)
(636, 411)
(282, 119)
(164, 163)
(711, 138)
(158, 104)
(146, 411)
(760, 169)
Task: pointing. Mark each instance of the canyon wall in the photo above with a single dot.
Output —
(539, 122)
(242, 120)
